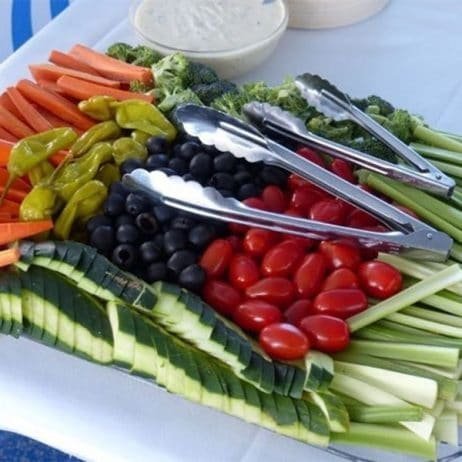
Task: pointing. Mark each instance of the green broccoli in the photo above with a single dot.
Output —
(401, 124)
(170, 73)
(207, 93)
(231, 103)
(139, 87)
(374, 147)
(180, 97)
(144, 56)
(340, 132)
(385, 108)
(199, 73)
(120, 51)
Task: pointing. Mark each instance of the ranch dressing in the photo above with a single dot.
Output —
(208, 25)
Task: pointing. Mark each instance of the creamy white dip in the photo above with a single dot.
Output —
(208, 25)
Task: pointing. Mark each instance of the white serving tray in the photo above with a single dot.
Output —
(100, 414)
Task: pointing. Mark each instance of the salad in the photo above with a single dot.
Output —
(322, 341)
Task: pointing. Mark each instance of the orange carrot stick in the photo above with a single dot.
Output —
(65, 60)
(18, 184)
(11, 123)
(53, 73)
(81, 90)
(57, 158)
(7, 136)
(10, 232)
(14, 195)
(54, 103)
(28, 112)
(54, 121)
(10, 207)
(5, 149)
(9, 256)
(6, 102)
(50, 86)
(110, 67)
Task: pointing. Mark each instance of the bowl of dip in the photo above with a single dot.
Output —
(232, 36)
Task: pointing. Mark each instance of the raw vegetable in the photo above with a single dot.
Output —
(138, 56)
(10, 232)
(66, 60)
(11, 123)
(9, 256)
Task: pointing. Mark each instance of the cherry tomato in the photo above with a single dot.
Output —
(304, 242)
(340, 303)
(303, 199)
(340, 254)
(258, 241)
(235, 242)
(311, 155)
(326, 333)
(294, 182)
(274, 199)
(379, 279)
(284, 341)
(343, 169)
(276, 290)
(255, 203)
(328, 211)
(360, 219)
(216, 258)
(282, 259)
(310, 275)
(221, 296)
(342, 278)
(254, 315)
(297, 311)
(243, 272)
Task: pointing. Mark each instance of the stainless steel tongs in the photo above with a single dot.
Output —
(408, 236)
(334, 103)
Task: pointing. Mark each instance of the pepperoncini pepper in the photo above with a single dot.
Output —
(39, 204)
(100, 132)
(127, 148)
(108, 174)
(84, 204)
(140, 115)
(40, 172)
(79, 171)
(98, 107)
(140, 136)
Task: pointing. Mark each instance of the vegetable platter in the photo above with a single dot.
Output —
(99, 413)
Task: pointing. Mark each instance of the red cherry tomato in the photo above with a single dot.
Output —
(221, 296)
(310, 275)
(294, 182)
(255, 203)
(282, 259)
(303, 199)
(342, 278)
(274, 199)
(328, 211)
(379, 279)
(340, 254)
(275, 290)
(235, 242)
(284, 341)
(254, 315)
(216, 258)
(311, 155)
(340, 303)
(258, 241)
(243, 272)
(343, 169)
(297, 311)
(303, 242)
(360, 219)
(326, 333)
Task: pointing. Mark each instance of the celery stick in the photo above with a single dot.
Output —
(434, 138)
(387, 437)
(456, 252)
(438, 153)
(425, 324)
(450, 169)
(445, 301)
(424, 288)
(447, 428)
(384, 414)
(432, 315)
(452, 373)
(450, 135)
(413, 389)
(425, 354)
(438, 408)
(369, 394)
(455, 406)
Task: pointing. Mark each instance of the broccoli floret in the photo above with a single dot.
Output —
(170, 73)
(207, 93)
(139, 87)
(401, 124)
(374, 147)
(385, 108)
(199, 73)
(172, 100)
(340, 132)
(120, 51)
(231, 103)
(144, 56)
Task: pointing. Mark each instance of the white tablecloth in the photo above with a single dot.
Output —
(410, 54)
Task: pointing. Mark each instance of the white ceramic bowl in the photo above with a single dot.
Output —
(318, 14)
(228, 63)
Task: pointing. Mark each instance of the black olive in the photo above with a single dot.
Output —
(224, 162)
(98, 220)
(157, 161)
(201, 235)
(129, 165)
(179, 261)
(127, 234)
(150, 252)
(201, 165)
(188, 150)
(156, 272)
(192, 278)
(247, 190)
(157, 144)
(125, 256)
(178, 165)
(114, 205)
(102, 238)
(136, 204)
(174, 240)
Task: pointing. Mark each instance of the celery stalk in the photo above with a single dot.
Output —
(387, 437)
(384, 414)
(424, 354)
(427, 325)
(447, 428)
(437, 153)
(432, 315)
(452, 373)
(456, 252)
(450, 169)
(445, 301)
(434, 138)
(429, 286)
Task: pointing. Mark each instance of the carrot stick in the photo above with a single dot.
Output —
(6, 102)
(53, 73)
(9, 256)
(54, 121)
(14, 195)
(10, 232)
(5, 149)
(18, 184)
(28, 112)
(7, 136)
(49, 85)
(110, 67)
(9, 207)
(54, 103)
(59, 157)
(6, 217)
(65, 60)
(12, 124)
(81, 90)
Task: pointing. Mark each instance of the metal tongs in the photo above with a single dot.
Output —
(334, 103)
(408, 236)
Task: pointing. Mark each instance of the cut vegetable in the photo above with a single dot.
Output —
(9, 256)
(11, 123)
(66, 60)
(10, 232)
